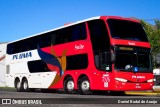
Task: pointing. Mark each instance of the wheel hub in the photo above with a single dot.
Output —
(25, 85)
(18, 85)
(85, 86)
(70, 85)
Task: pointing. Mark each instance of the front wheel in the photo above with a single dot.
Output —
(69, 86)
(84, 86)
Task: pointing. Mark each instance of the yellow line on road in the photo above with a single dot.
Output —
(141, 93)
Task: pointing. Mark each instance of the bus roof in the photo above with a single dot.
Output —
(74, 23)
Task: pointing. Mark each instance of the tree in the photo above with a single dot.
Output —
(157, 22)
(153, 33)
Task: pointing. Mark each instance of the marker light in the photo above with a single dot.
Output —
(121, 79)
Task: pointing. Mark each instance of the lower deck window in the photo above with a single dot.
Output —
(73, 62)
(37, 66)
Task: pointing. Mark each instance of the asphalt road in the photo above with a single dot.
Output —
(58, 99)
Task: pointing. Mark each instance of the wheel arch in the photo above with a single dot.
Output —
(24, 78)
(81, 76)
(67, 76)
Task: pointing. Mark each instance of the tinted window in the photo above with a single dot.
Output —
(10, 48)
(121, 29)
(99, 35)
(37, 66)
(133, 59)
(23, 45)
(78, 32)
(44, 40)
(77, 62)
(69, 34)
(74, 62)
(100, 44)
(65, 35)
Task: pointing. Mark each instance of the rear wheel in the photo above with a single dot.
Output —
(25, 86)
(69, 85)
(18, 85)
(84, 86)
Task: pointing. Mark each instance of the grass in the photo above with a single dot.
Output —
(7, 88)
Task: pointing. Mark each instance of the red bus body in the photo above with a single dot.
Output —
(100, 80)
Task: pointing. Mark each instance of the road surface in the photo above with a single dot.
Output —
(58, 99)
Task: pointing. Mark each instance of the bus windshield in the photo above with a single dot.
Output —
(133, 61)
(122, 29)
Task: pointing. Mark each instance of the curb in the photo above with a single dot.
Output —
(141, 93)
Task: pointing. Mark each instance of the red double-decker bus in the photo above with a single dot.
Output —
(106, 53)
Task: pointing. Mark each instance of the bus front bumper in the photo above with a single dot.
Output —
(127, 86)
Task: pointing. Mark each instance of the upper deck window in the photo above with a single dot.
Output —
(65, 35)
(122, 29)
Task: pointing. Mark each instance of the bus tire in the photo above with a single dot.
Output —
(25, 87)
(69, 86)
(18, 85)
(84, 86)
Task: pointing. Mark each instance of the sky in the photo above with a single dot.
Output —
(22, 18)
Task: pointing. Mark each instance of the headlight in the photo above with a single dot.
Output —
(121, 79)
(151, 80)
